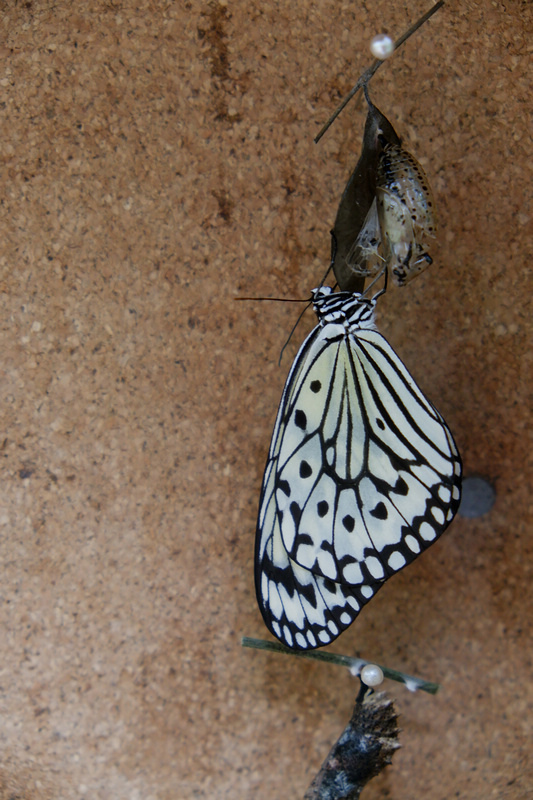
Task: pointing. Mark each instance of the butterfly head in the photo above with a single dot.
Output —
(343, 308)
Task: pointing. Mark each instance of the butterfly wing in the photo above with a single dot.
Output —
(303, 609)
(363, 475)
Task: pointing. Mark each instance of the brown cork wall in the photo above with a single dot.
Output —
(157, 160)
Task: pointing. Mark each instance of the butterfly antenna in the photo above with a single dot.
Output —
(275, 299)
(370, 72)
(292, 331)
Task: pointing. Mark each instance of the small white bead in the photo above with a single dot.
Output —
(382, 46)
(371, 675)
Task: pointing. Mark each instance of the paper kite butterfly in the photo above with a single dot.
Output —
(362, 476)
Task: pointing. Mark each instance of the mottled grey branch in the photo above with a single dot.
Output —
(364, 749)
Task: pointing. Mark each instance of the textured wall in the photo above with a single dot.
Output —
(157, 160)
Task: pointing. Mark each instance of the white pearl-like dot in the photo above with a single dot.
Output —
(382, 46)
(371, 675)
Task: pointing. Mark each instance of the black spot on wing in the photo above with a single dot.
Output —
(296, 512)
(401, 487)
(305, 470)
(380, 511)
(308, 592)
(284, 486)
(349, 522)
(322, 508)
(315, 386)
(302, 539)
(300, 419)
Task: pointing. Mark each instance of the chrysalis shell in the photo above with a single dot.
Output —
(364, 257)
(386, 212)
(406, 213)
(356, 237)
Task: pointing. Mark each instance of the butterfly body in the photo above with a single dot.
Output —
(362, 475)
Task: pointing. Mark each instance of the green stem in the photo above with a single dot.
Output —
(354, 664)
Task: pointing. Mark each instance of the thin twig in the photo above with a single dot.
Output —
(370, 72)
(355, 665)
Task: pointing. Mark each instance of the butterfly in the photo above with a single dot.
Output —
(362, 475)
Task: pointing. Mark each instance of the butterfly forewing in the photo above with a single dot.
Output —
(363, 475)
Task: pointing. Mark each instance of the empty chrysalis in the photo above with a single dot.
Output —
(364, 256)
(406, 213)
(356, 234)
(389, 204)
